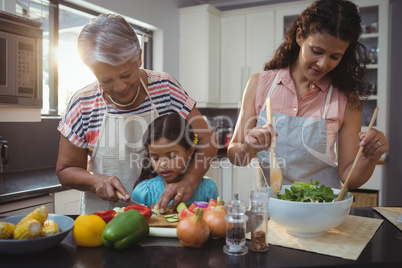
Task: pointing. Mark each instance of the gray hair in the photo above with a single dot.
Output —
(108, 39)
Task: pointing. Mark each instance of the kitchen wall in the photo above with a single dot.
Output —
(35, 145)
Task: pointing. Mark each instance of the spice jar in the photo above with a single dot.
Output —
(259, 221)
(235, 227)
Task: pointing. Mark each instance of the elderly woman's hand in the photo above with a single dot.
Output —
(180, 192)
(375, 144)
(106, 187)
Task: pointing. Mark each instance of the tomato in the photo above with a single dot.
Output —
(192, 207)
(184, 213)
(106, 215)
(146, 211)
(211, 204)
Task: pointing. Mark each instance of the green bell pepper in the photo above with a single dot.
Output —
(125, 230)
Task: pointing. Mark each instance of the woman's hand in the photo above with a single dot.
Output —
(178, 192)
(258, 139)
(375, 144)
(106, 187)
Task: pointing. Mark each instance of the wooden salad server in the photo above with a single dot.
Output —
(275, 170)
(345, 185)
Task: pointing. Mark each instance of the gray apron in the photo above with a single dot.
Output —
(301, 148)
(118, 151)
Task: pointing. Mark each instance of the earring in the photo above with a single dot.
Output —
(187, 164)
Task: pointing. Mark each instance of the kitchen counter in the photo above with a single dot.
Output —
(28, 184)
(383, 250)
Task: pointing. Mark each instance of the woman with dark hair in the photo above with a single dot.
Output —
(314, 81)
(170, 143)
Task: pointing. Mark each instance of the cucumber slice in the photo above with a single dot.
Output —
(180, 207)
(169, 215)
(173, 219)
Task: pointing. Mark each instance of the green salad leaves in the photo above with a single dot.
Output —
(313, 192)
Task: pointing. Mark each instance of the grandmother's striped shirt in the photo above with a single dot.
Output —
(82, 120)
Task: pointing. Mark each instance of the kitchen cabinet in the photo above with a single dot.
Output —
(67, 202)
(200, 54)
(246, 45)
(234, 179)
(26, 206)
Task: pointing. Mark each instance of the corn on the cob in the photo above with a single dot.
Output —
(6, 230)
(29, 229)
(50, 228)
(39, 214)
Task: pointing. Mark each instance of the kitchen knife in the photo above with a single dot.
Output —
(131, 202)
(122, 198)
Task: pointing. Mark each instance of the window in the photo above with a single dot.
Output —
(63, 71)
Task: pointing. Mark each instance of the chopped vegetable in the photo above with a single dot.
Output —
(200, 204)
(215, 218)
(180, 207)
(313, 192)
(106, 215)
(184, 213)
(211, 204)
(146, 211)
(125, 230)
(192, 231)
(88, 230)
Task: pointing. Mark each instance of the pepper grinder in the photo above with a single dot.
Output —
(259, 221)
(235, 227)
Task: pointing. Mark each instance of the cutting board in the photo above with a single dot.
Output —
(160, 221)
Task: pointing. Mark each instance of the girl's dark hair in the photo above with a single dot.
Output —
(174, 128)
(339, 18)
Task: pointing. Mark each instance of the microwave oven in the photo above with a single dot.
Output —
(20, 61)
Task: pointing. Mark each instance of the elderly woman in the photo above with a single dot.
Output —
(101, 149)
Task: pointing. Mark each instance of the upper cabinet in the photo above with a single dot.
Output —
(246, 45)
(200, 54)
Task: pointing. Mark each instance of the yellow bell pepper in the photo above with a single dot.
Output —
(88, 230)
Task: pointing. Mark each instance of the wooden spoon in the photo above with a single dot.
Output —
(345, 185)
(275, 170)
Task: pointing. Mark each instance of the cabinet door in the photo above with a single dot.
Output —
(260, 44)
(233, 47)
(199, 53)
(244, 180)
(67, 202)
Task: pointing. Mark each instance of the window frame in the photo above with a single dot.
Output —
(54, 43)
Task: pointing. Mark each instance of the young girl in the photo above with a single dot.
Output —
(170, 143)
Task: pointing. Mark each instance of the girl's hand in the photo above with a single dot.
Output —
(375, 144)
(107, 186)
(258, 139)
(179, 191)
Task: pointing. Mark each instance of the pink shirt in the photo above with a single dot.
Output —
(285, 101)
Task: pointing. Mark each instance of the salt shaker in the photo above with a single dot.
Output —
(236, 227)
(259, 221)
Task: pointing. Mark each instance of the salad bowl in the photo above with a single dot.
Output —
(304, 219)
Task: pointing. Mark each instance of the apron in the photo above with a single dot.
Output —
(118, 151)
(301, 148)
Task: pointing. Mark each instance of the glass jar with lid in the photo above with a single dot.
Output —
(259, 221)
(236, 227)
